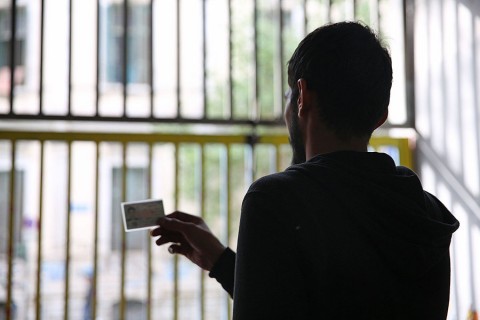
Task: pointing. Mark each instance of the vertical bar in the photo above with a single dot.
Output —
(472, 281)
(67, 235)
(229, 216)
(454, 263)
(175, 257)
(149, 240)
(202, 213)
(179, 92)
(97, 72)
(476, 98)
(279, 106)
(204, 59)
(409, 40)
(38, 284)
(96, 230)
(443, 76)
(124, 240)
(329, 10)
(125, 55)
(305, 17)
(278, 158)
(458, 89)
(70, 31)
(256, 111)
(42, 33)
(250, 163)
(11, 233)
(353, 5)
(151, 63)
(230, 63)
(13, 36)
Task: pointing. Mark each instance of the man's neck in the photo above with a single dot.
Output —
(329, 143)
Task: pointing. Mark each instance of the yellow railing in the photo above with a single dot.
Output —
(277, 143)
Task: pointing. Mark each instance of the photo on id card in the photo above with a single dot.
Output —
(138, 215)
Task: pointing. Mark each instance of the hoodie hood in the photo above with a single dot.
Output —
(411, 228)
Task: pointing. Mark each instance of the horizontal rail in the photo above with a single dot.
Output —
(401, 143)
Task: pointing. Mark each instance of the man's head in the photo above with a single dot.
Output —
(349, 74)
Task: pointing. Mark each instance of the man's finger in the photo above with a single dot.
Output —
(175, 238)
(164, 232)
(179, 249)
(175, 225)
(185, 217)
(156, 232)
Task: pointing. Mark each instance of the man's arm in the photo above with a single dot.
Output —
(268, 281)
(190, 236)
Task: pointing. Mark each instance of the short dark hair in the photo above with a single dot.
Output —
(350, 71)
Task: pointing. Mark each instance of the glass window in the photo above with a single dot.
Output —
(5, 42)
(137, 43)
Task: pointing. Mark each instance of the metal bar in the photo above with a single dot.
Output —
(170, 138)
(38, 284)
(305, 17)
(329, 10)
(459, 84)
(70, 32)
(230, 62)
(127, 137)
(443, 81)
(66, 302)
(279, 106)
(454, 263)
(96, 231)
(179, 92)
(175, 257)
(13, 36)
(471, 224)
(202, 214)
(42, 33)
(97, 71)
(355, 9)
(124, 239)
(409, 54)
(125, 55)
(151, 62)
(11, 232)
(278, 158)
(476, 95)
(256, 110)
(204, 59)
(142, 119)
(229, 216)
(149, 240)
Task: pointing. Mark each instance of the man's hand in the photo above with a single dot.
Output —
(191, 237)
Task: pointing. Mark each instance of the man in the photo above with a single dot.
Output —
(343, 233)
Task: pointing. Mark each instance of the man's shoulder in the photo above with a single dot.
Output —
(275, 181)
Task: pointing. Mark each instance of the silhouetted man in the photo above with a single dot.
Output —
(342, 233)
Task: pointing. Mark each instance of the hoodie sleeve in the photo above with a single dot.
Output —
(268, 281)
(224, 270)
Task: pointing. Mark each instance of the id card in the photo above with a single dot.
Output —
(143, 214)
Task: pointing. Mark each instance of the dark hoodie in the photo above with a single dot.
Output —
(346, 235)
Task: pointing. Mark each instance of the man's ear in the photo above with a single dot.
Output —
(382, 119)
(304, 100)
